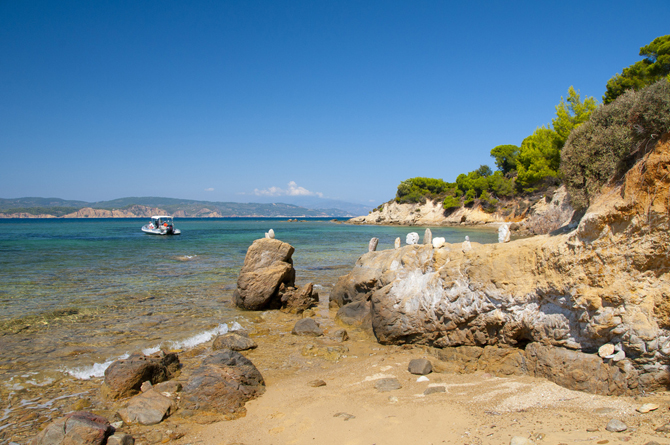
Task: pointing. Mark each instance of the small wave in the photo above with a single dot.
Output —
(98, 369)
(95, 370)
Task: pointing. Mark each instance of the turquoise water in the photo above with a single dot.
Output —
(75, 294)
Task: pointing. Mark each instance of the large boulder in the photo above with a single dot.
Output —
(78, 428)
(124, 378)
(267, 266)
(604, 282)
(222, 384)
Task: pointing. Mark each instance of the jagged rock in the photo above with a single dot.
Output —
(148, 408)
(412, 238)
(296, 301)
(124, 378)
(372, 246)
(222, 384)
(78, 428)
(233, 341)
(420, 366)
(428, 237)
(267, 265)
(308, 327)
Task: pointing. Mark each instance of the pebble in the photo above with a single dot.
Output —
(423, 378)
(616, 426)
(647, 407)
(606, 349)
(317, 383)
(434, 389)
(385, 385)
(345, 416)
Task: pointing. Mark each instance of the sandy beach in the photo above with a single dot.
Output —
(473, 409)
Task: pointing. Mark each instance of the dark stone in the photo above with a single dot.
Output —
(385, 385)
(434, 389)
(233, 341)
(124, 378)
(267, 266)
(308, 327)
(78, 428)
(222, 384)
(420, 366)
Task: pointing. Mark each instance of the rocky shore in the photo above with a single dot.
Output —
(534, 215)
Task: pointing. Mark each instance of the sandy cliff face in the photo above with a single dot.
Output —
(545, 214)
(606, 282)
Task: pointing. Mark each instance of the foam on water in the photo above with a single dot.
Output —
(95, 370)
(98, 369)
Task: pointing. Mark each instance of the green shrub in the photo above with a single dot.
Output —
(417, 190)
(451, 202)
(605, 147)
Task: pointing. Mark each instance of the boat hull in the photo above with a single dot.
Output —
(163, 232)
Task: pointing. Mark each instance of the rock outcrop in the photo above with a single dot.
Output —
(267, 279)
(538, 215)
(604, 282)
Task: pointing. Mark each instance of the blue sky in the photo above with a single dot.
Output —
(244, 100)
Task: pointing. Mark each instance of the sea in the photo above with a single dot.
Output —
(77, 294)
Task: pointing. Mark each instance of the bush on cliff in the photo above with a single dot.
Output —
(604, 148)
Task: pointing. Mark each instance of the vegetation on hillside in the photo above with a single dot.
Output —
(654, 67)
(584, 146)
(617, 134)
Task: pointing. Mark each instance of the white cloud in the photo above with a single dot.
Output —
(292, 190)
(211, 189)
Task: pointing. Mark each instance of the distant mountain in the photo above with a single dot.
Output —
(137, 207)
(314, 202)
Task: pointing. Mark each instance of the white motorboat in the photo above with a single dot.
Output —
(161, 225)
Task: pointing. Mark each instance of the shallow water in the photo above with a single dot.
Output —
(77, 294)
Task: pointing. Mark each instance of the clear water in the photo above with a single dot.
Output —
(75, 294)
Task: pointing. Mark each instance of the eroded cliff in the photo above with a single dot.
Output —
(606, 282)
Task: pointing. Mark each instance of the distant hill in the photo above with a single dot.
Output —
(183, 208)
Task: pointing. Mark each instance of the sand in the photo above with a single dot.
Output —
(474, 409)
